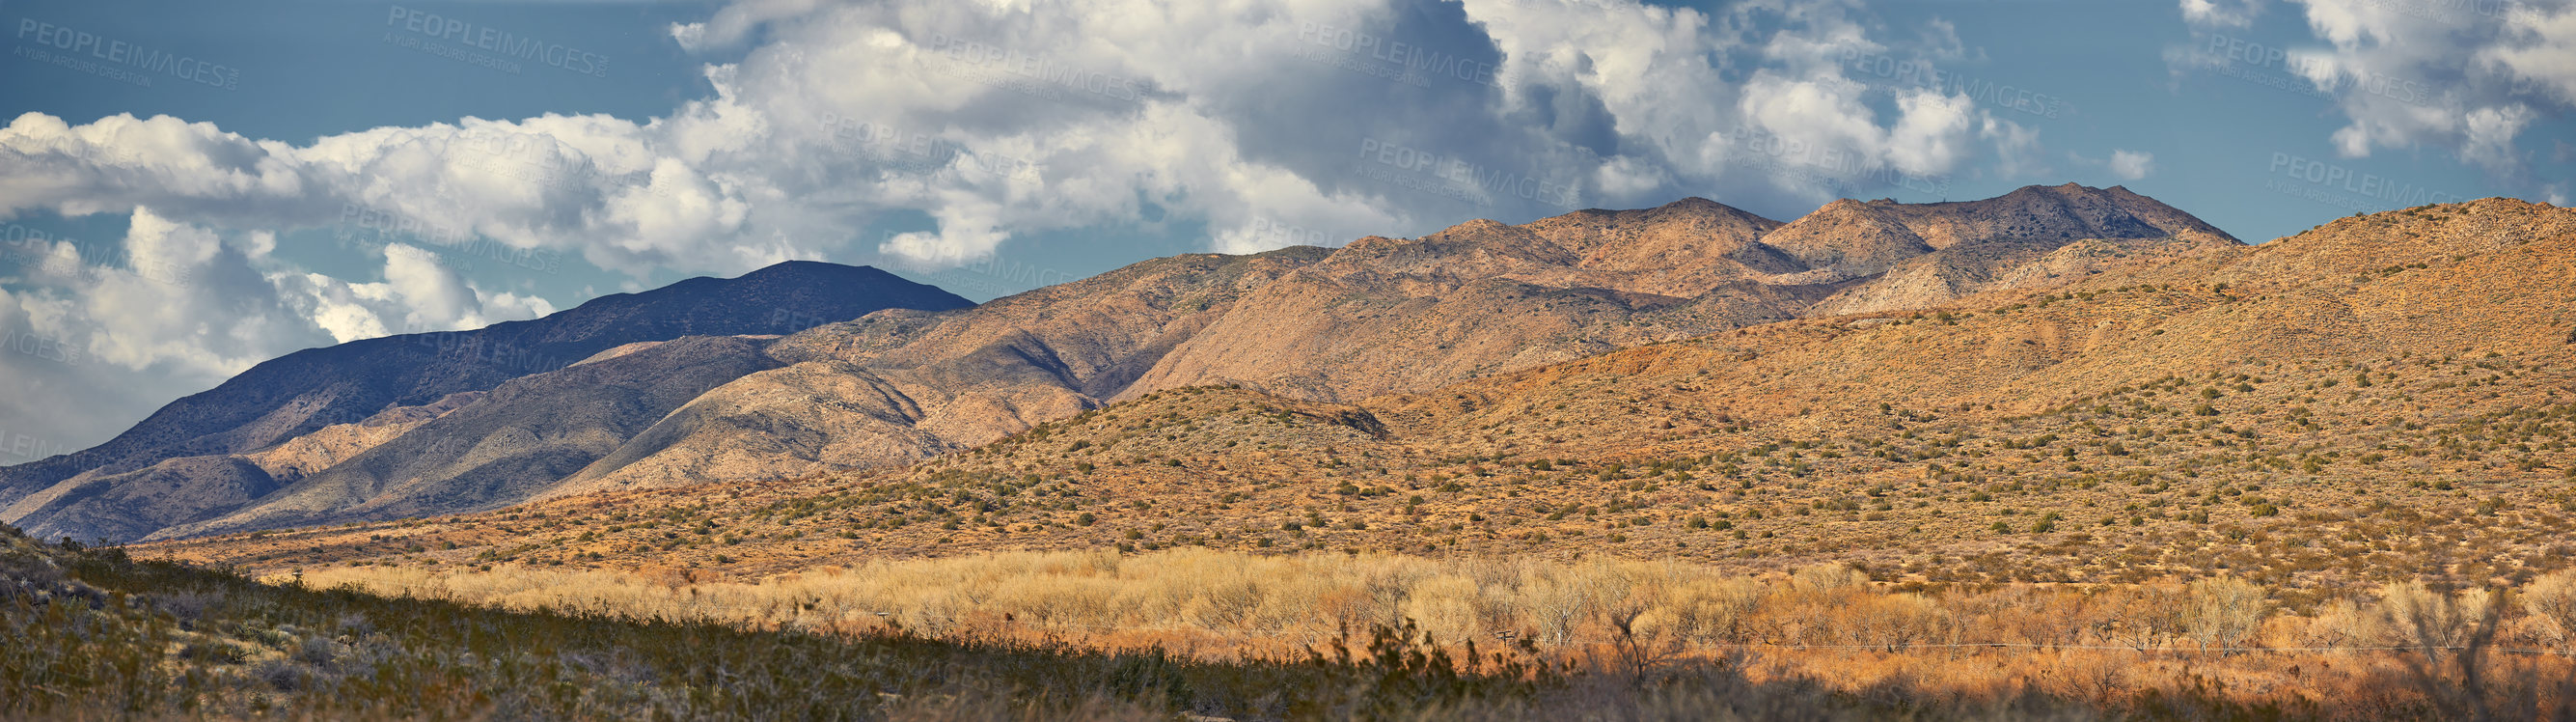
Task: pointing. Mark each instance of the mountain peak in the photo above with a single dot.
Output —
(305, 391)
(2069, 188)
(1846, 239)
(1476, 225)
(804, 265)
(808, 270)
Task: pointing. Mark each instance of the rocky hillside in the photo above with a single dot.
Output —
(1378, 316)
(286, 409)
(512, 443)
(2294, 414)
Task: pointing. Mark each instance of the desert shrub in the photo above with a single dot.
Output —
(2342, 623)
(1892, 621)
(2222, 611)
(2431, 620)
(1447, 607)
(1554, 600)
(2551, 603)
(1829, 577)
(1712, 610)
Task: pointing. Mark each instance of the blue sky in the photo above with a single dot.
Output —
(190, 188)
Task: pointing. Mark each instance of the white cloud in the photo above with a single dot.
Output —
(175, 308)
(999, 122)
(421, 292)
(1931, 133)
(2017, 151)
(2132, 165)
(2463, 77)
(2468, 77)
(2537, 49)
(2221, 13)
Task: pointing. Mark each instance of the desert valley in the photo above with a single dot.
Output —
(2065, 452)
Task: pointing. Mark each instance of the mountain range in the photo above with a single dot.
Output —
(264, 431)
(2383, 396)
(808, 369)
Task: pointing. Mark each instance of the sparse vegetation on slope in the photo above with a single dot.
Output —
(97, 634)
(2302, 452)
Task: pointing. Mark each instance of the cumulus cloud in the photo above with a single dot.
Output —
(2017, 149)
(1254, 123)
(1000, 122)
(2537, 47)
(2221, 13)
(109, 330)
(2132, 165)
(2467, 77)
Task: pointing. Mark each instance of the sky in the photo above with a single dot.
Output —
(190, 188)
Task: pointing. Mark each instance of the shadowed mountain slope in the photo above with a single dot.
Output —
(1378, 316)
(2386, 394)
(307, 391)
(508, 445)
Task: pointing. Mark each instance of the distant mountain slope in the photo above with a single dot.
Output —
(894, 387)
(308, 390)
(512, 443)
(1924, 255)
(1378, 316)
(2391, 394)
(1383, 315)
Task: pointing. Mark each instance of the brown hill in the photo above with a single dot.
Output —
(2237, 413)
(308, 391)
(2028, 239)
(1375, 317)
(512, 443)
(894, 387)
(1847, 239)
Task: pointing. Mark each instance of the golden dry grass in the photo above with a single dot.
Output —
(2429, 473)
(1824, 622)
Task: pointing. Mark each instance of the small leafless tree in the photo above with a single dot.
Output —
(2223, 611)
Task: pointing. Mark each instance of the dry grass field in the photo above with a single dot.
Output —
(2264, 474)
(2113, 645)
(1196, 634)
(2330, 477)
